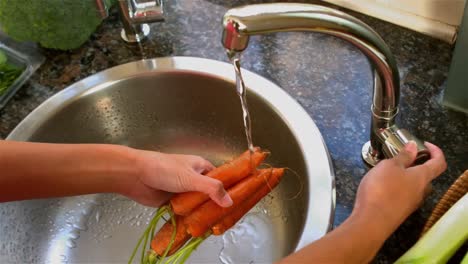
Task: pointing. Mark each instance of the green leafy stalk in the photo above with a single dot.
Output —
(173, 235)
(151, 257)
(443, 239)
(3, 58)
(8, 75)
(144, 237)
(465, 259)
(186, 251)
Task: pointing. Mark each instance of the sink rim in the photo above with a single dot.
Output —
(297, 119)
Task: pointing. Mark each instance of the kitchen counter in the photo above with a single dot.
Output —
(328, 77)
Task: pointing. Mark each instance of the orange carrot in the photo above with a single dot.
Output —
(231, 219)
(209, 213)
(162, 239)
(228, 173)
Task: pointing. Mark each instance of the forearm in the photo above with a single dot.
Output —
(356, 240)
(37, 170)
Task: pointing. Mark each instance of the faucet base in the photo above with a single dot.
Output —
(367, 155)
(141, 32)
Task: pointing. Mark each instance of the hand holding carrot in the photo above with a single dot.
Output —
(44, 170)
(162, 174)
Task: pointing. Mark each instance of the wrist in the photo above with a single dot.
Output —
(122, 168)
(387, 218)
(380, 223)
(371, 230)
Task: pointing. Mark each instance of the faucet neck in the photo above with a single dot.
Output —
(240, 23)
(386, 139)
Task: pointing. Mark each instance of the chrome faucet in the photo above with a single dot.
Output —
(135, 14)
(386, 139)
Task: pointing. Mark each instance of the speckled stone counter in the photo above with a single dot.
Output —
(328, 77)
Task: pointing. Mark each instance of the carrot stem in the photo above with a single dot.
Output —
(159, 213)
(174, 232)
(153, 229)
(144, 246)
(186, 251)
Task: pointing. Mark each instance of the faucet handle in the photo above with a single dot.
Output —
(135, 14)
(394, 139)
(423, 153)
(147, 11)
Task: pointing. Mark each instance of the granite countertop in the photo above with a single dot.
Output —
(328, 77)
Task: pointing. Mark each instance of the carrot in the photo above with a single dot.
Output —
(231, 219)
(162, 239)
(228, 173)
(209, 213)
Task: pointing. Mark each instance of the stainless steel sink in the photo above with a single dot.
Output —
(178, 105)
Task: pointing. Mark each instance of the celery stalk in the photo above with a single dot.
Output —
(443, 239)
(465, 259)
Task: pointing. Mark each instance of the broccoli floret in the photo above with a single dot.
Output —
(56, 24)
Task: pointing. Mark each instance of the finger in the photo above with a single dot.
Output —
(213, 188)
(201, 165)
(153, 198)
(407, 155)
(436, 164)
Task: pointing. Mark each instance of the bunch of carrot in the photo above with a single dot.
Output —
(194, 217)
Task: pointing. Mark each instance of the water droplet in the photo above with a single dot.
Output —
(74, 234)
(86, 211)
(81, 225)
(70, 243)
(98, 216)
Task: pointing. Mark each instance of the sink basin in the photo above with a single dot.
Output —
(177, 105)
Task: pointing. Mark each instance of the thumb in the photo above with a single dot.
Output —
(407, 156)
(213, 188)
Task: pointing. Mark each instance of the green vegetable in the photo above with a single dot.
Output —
(443, 239)
(144, 238)
(56, 24)
(186, 251)
(8, 75)
(3, 58)
(150, 257)
(465, 259)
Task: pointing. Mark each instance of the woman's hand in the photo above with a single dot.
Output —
(43, 170)
(394, 189)
(161, 174)
(387, 195)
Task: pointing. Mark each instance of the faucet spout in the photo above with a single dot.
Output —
(241, 23)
